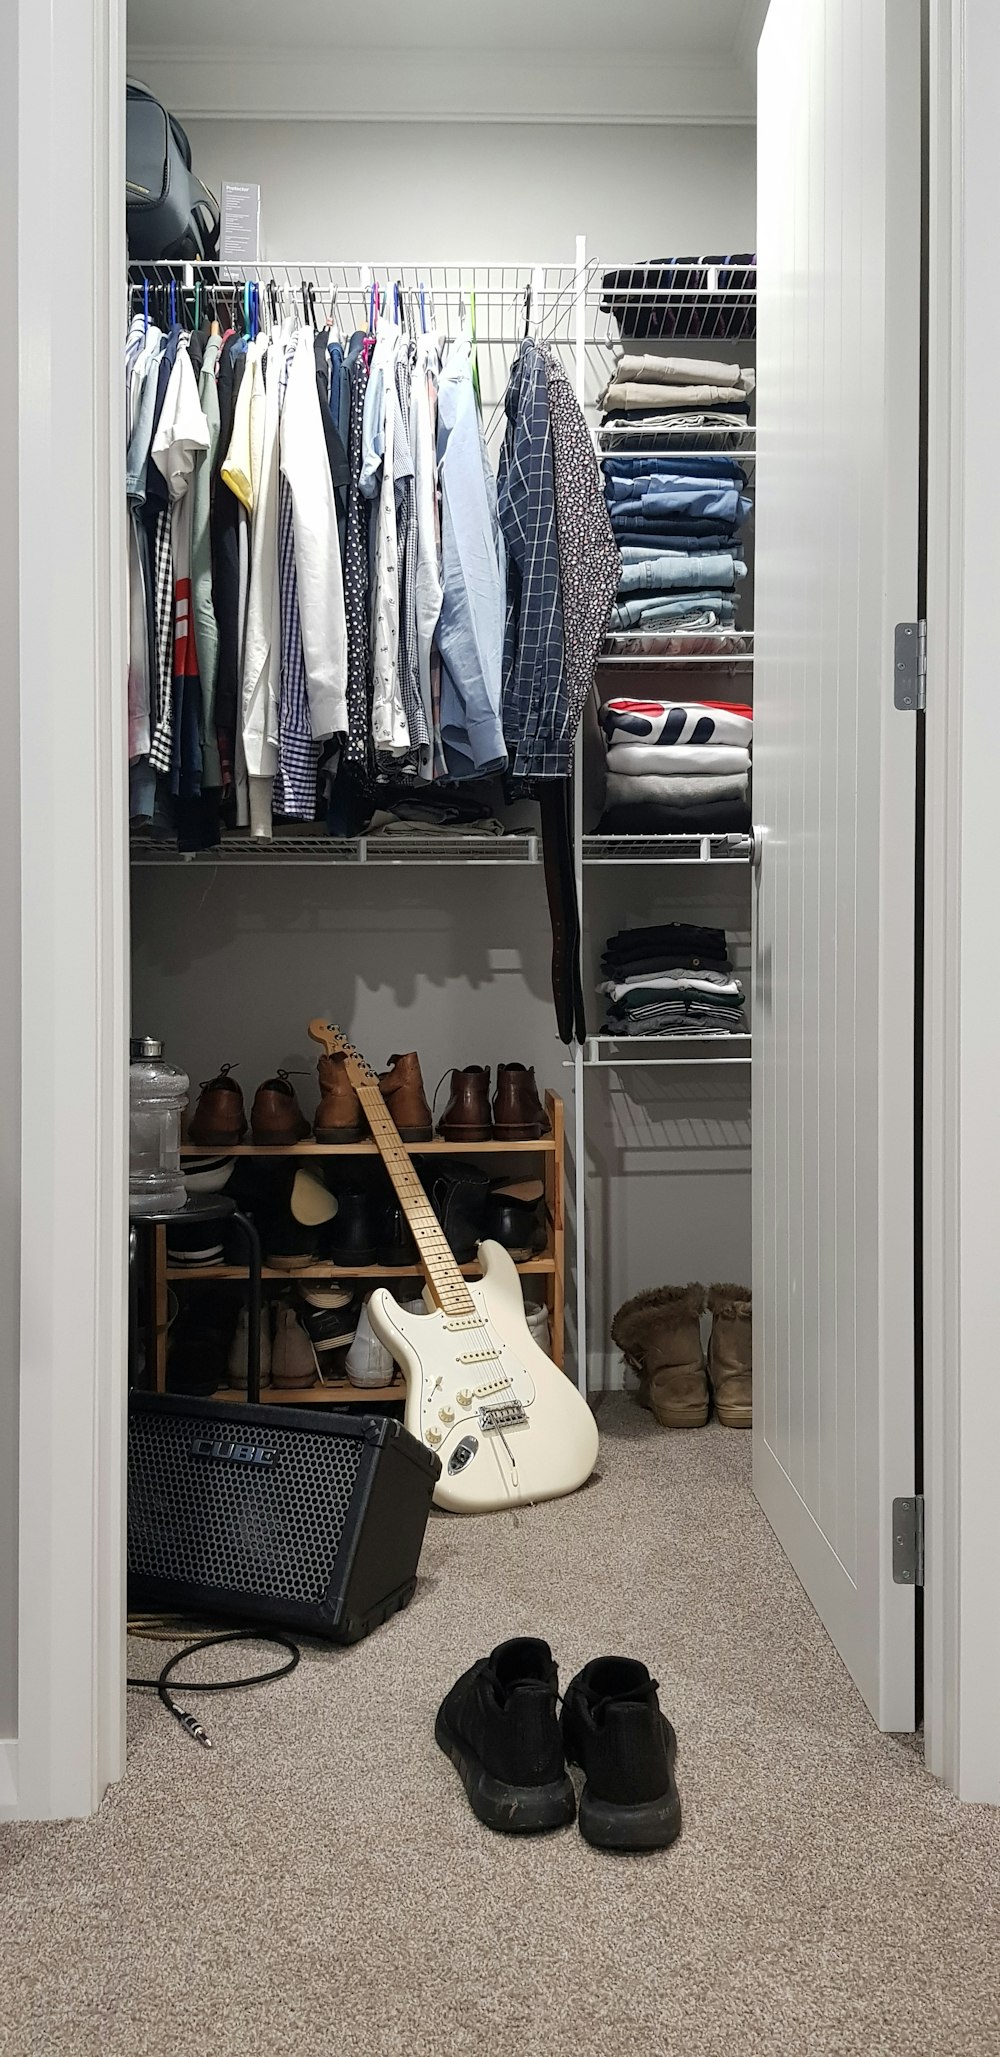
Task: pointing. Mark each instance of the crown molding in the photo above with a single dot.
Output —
(418, 85)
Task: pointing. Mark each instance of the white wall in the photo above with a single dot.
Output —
(500, 193)
(10, 930)
(231, 966)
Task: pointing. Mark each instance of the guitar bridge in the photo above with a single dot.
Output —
(509, 1414)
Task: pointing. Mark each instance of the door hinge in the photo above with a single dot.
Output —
(910, 667)
(908, 1541)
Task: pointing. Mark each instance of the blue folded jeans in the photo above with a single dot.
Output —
(671, 570)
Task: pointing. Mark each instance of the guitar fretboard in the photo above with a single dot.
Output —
(448, 1287)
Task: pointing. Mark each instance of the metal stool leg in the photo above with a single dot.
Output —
(253, 1305)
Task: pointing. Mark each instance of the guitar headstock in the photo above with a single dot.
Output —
(334, 1043)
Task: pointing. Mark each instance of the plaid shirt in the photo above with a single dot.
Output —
(534, 703)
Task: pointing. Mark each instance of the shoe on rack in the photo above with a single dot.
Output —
(614, 1730)
(730, 1354)
(518, 1114)
(293, 1361)
(329, 1294)
(459, 1197)
(219, 1121)
(340, 1117)
(289, 1245)
(467, 1117)
(328, 1328)
(239, 1349)
(369, 1363)
(193, 1243)
(515, 1216)
(396, 1247)
(500, 1728)
(353, 1238)
(659, 1335)
(403, 1093)
(312, 1202)
(276, 1119)
(536, 1315)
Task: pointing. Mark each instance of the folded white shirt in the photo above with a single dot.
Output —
(680, 760)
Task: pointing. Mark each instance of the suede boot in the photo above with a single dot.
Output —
(730, 1354)
(659, 1335)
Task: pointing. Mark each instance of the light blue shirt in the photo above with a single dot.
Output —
(470, 629)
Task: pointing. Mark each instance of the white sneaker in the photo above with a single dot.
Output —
(369, 1363)
(537, 1316)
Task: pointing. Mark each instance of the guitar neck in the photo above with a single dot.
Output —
(449, 1289)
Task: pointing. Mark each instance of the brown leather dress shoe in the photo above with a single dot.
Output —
(276, 1118)
(518, 1114)
(403, 1093)
(340, 1117)
(219, 1120)
(466, 1119)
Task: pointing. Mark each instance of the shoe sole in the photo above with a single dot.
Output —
(679, 1417)
(287, 1142)
(340, 1135)
(352, 1260)
(646, 1825)
(214, 1139)
(532, 1133)
(510, 1810)
(735, 1417)
(466, 1135)
(416, 1135)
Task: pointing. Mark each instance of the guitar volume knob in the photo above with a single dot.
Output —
(464, 1398)
(447, 1414)
(433, 1435)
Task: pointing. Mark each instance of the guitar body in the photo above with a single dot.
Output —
(508, 1426)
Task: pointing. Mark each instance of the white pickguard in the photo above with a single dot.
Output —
(461, 1374)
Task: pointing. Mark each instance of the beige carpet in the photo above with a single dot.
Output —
(318, 1884)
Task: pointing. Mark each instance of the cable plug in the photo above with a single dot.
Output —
(193, 1727)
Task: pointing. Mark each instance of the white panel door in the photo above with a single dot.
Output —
(834, 789)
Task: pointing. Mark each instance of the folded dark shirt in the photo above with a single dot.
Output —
(658, 818)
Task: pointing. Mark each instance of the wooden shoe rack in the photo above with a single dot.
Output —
(549, 1267)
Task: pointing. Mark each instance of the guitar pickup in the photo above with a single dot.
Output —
(479, 1357)
(510, 1414)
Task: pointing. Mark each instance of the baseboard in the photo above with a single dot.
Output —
(8, 1778)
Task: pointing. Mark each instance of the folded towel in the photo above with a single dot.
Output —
(665, 723)
(684, 795)
(678, 760)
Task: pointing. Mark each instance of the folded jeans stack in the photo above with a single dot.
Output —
(674, 980)
(676, 767)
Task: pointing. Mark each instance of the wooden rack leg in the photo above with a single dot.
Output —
(554, 1207)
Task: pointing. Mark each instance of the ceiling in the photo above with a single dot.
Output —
(702, 30)
(652, 61)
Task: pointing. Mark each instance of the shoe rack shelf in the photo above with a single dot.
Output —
(549, 1266)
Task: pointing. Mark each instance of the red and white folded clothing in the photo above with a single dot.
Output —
(684, 760)
(672, 722)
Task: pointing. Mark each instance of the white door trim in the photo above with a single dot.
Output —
(962, 1100)
(70, 201)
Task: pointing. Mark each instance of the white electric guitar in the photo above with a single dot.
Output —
(508, 1426)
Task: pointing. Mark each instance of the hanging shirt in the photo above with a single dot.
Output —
(181, 437)
(206, 631)
(319, 573)
(429, 589)
(470, 629)
(534, 683)
(389, 724)
(262, 649)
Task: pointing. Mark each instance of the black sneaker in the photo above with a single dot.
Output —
(329, 1328)
(613, 1728)
(500, 1729)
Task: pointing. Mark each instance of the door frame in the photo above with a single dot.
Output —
(74, 899)
(962, 928)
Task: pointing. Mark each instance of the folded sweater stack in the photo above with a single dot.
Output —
(674, 980)
(676, 767)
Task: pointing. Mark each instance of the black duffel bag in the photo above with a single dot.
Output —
(168, 212)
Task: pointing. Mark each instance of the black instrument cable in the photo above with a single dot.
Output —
(161, 1684)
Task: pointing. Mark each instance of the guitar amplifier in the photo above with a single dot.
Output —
(273, 1515)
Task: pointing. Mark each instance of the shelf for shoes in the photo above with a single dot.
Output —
(310, 845)
(548, 1267)
(191, 1272)
(310, 1149)
(340, 1394)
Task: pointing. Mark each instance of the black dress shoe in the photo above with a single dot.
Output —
(500, 1728)
(515, 1216)
(613, 1728)
(352, 1238)
(396, 1245)
(459, 1199)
